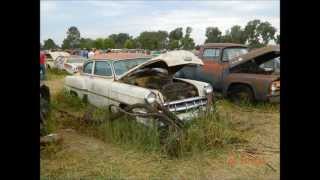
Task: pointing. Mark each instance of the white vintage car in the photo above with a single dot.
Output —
(72, 64)
(51, 56)
(127, 79)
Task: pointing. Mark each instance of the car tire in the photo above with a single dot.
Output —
(241, 93)
(44, 111)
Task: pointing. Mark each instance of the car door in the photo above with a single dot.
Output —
(211, 71)
(87, 76)
(101, 83)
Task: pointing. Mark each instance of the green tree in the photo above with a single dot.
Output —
(49, 44)
(235, 35)
(152, 40)
(187, 42)
(173, 44)
(213, 35)
(267, 32)
(119, 39)
(109, 43)
(86, 43)
(175, 38)
(259, 33)
(176, 34)
(73, 38)
(99, 43)
(136, 43)
(129, 44)
(278, 39)
(162, 37)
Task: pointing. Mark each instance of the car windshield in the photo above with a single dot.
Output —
(123, 66)
(76, 60)
(231, 53)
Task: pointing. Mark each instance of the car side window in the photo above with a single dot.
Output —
(88, 68)
(102, 68)
(211, 53)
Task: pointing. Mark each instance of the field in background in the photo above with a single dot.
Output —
(84, 153)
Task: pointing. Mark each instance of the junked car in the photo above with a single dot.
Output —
(272, 66)
(51, 56)
(72, 64)
(235, 71)
(125, 80)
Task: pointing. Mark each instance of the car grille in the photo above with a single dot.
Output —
(186, 104)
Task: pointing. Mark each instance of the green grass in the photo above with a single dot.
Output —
(125, 149)
(55, 73)
(205, 133)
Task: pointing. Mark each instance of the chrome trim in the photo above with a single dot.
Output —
(185, 100)
(186, 104)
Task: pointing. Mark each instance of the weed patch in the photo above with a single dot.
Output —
(207, 132)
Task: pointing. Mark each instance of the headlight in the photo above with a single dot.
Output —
(150, 98)
(275, 86)
(208, 89)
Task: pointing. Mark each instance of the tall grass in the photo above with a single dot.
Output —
(205, 133)
(55, 73)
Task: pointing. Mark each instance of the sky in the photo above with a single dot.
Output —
(104, 17)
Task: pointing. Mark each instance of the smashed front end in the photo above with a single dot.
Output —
(183, 98)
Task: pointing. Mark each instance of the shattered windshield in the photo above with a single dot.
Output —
(231, 53)
(123, 66)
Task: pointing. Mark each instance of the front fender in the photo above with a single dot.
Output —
(77, 82)
(258, 83)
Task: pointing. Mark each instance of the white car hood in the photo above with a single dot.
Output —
(173, 61)
(56, 54)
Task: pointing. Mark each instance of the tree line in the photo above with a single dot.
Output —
(255, 34)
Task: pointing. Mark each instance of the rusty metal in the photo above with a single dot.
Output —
(245, 70)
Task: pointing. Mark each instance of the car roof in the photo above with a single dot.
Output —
(222, 45)
(75, 57)
(119, 56)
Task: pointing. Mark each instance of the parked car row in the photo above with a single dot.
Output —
(177, 82)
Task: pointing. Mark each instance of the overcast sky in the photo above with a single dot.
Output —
(102, 18)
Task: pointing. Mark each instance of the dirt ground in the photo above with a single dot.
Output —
(85, 157)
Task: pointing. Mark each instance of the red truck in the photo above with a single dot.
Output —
(236, 72)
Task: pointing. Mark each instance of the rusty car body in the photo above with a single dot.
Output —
(127, 79)
(236, 72)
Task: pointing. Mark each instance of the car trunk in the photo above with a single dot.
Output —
(158, 74)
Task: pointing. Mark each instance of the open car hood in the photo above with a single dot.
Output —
(260, 56)
(173, 61)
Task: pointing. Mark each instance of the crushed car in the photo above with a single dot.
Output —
(72, 64)
(51, 57)
(136, 84)
(235, 71)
